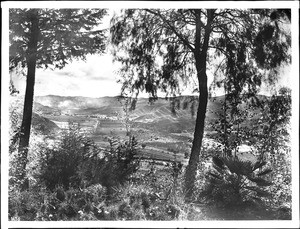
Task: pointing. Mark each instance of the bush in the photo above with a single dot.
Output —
(232, 182)
(60, 165)
(23, 205)
(282, 179)
(141, 202)
(60, 204)
(79, 162)
(119, 163)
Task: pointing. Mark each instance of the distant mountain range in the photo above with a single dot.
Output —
(56, 105)
(150, 115)
(155, 124)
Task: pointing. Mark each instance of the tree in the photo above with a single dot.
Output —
(165, 49)
(48, 38)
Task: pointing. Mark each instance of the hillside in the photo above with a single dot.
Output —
(156, 115)
(39, 122)
(44, 125)
(112, 105)
(155, 124)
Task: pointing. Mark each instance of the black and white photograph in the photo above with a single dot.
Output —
(184, 114)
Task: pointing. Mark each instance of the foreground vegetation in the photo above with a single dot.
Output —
(72, 178)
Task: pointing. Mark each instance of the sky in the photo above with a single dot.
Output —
(93, 78)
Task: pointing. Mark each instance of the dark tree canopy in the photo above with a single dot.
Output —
(63, 34)
(156, 46)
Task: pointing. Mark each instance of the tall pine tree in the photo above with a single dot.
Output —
(48, 38)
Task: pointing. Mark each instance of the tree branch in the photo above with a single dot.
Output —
(185, 42)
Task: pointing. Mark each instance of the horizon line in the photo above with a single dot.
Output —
(139, 97)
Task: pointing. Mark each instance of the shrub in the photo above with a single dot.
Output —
(232, 182)
(60, 204)
(141, 202)
(60, 165)
(22, 205)
(38, 147)
(79, 162)
(119, 163)
(77, 204)
(282, 178)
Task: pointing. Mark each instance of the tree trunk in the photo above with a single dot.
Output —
(191, 169)
(28, 102)
(200, 54)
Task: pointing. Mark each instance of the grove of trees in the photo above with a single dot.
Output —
(159, 50)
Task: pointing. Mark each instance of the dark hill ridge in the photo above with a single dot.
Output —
(39, 123)
(43, 125)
